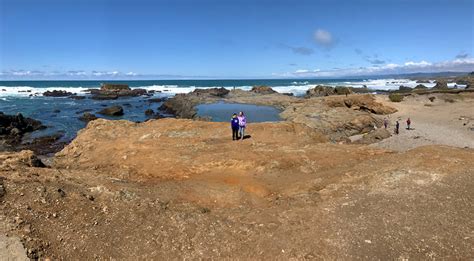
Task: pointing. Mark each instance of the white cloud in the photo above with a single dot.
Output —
(457, 65)
(323, 38)
(417, 64)
(74, 74)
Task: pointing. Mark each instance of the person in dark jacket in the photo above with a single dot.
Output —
(397, 127)
(234, 124)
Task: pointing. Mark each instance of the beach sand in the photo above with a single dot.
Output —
(448, 120)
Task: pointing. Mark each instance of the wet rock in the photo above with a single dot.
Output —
(156, 100)
(45, 145)
(57, 111)
(87, 116)
(105, 97)
(112, 111)
(149, 112)
(17, 125)
(56, 93)
(262, 89)
(77, 97)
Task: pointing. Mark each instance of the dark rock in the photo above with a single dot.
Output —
(432, 98)
(262, 90)
(156, 100)
(112, 111)
(56, 93)
(105, 97)
(181, 105)
(219, 92)
(82, 111)
(112, 94)
(57, 111)
(87, 116)
(18, 125)
(45, 145)
(420, 87)
(77, 97)
(149, 112)
(441, 84)
(404, 89)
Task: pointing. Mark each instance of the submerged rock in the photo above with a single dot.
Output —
(112, 111)
(56, 93)
(87, 116)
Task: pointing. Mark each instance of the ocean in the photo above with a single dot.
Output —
(61, 114)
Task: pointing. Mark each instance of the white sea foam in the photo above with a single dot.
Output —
(297, 87)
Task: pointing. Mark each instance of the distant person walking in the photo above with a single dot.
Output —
(397, 127)
(385, 123)
(242, 124)
(234, 124)
(408, 123)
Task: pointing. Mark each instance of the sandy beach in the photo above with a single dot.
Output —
(448, 120)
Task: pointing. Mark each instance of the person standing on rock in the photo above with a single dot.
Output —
(242, 124)
(397, 127)
(234, 124)
(385, 123)
(408, 123)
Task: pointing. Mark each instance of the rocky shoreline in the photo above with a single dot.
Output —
(179, 187)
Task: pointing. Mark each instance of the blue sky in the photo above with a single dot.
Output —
(232, 39)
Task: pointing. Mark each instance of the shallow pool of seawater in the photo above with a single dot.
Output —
(223, 112)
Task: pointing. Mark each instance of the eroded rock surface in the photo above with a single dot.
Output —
(183, 189)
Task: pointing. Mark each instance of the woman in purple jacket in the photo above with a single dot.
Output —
(242, 124)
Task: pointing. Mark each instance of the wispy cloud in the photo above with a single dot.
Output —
(462, 55)
(324, 38)
(456, 65)
(298, 49)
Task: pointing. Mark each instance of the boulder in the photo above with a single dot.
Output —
(112, 111)
(17, 125)
(262, 90)
(87, 116)
(320, 91)
(56, 93)
(149, 112)
(404, 89)
(441, 84)
(342, 90)
(219, 92)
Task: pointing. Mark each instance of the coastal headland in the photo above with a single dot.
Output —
(328, 181)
